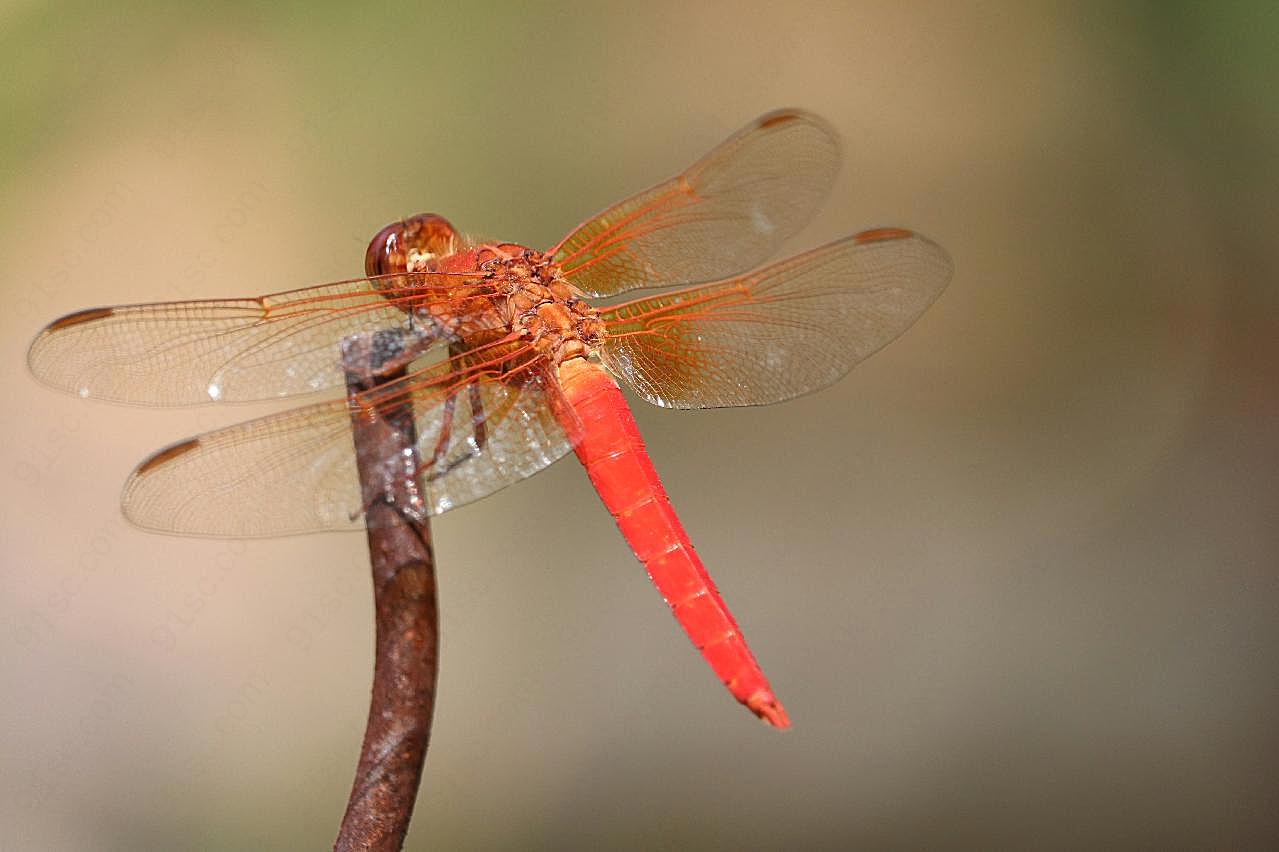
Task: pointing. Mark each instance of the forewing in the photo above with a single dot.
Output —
(295, 471)
(726, 214)
(184, 353)
(778, 332)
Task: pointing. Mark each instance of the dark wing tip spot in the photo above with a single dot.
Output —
(876, 235)
(166, 455)
(777, 119)
(87, 315)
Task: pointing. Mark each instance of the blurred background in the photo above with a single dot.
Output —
(1015, 577)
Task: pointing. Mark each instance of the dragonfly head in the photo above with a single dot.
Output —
(410, 245)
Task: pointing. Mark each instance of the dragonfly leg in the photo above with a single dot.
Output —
(446, 424)
(446, 433)
(477, 416)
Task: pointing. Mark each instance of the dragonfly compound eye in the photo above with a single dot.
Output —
(410, 245)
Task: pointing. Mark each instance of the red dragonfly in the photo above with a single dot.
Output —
(508, 368)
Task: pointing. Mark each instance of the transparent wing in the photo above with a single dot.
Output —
(478, 430)
(778, 332)
(184, 353)
(726, 214)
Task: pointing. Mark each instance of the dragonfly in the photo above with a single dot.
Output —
(507, 366)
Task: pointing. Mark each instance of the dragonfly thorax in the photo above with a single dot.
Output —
(546, 309)
(536, 302)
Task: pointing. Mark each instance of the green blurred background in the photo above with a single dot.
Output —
(1015, 577)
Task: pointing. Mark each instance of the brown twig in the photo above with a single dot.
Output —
(403, 562)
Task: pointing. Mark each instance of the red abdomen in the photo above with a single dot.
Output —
(610, 448)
